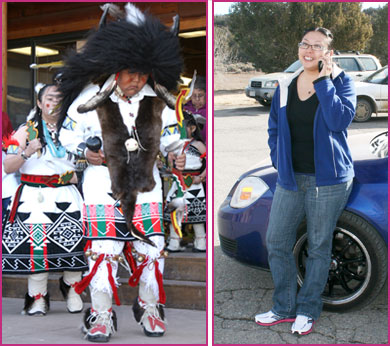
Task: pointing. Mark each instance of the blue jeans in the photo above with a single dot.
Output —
(322, 206)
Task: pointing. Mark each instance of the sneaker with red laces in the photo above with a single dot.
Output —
(303, 325)
(270, 318)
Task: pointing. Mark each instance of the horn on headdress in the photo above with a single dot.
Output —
(163, 93)
(103, 18)
(175, 26)
(109, 87)
(111, 9)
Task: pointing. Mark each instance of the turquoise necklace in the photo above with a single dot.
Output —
(55, 150)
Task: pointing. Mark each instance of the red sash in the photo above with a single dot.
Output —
(34, 180)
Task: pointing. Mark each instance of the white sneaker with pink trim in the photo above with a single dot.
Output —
(270, 318)
(303, 325)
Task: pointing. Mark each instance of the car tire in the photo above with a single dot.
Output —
(363, 110)
(265, 103)
(358, 267)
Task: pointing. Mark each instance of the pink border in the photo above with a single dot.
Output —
(212, 179)
(207, 179)
(207, 165)
(215, 1)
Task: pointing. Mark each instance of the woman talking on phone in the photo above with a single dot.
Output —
(308, 123)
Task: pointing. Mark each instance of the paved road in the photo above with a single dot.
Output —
(61, 327)
(240, 292)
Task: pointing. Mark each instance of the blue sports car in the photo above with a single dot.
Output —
(358, 268)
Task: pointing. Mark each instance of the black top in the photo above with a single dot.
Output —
(300, 115)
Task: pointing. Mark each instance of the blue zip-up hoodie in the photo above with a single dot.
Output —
(336, 109)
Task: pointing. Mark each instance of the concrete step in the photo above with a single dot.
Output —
(187, 266)
(184, 283)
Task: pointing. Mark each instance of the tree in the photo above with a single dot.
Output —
(268, 33)
(225, 49)
(379, 41)
(251, 25)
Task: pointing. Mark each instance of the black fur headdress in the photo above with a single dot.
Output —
(137, 41)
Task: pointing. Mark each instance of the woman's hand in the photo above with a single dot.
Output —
(180, 161)
(327, 65)
(199, 179)
(32, 147)
(94, 158)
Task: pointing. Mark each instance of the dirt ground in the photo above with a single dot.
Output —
(227, 85)
(232, 81)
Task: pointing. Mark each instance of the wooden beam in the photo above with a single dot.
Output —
(4, 56)
(27, 21)
(49, 24)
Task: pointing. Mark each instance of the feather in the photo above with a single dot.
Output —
(31, 115)
(7, 141)
(134, 15)
(192, 86)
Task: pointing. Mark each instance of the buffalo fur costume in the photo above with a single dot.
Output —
(133, 174)
(140, 43)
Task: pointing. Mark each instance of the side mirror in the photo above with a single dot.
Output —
(379, 145)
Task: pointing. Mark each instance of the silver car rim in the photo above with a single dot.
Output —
(362, 111)
(350, 269)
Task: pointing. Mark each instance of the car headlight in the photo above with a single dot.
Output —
(248, 191)
(271, 84)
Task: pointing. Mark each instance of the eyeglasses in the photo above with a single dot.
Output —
(198, 96)
(305, 45)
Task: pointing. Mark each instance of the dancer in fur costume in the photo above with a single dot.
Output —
(108, 88)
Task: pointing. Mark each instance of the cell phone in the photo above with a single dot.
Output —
(321, 63)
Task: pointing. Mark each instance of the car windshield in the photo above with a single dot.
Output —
(293, 67)
(378, 77)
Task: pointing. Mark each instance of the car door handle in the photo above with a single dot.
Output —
(359, 75)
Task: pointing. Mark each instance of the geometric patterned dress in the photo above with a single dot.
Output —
(195, 197)
(45, 234)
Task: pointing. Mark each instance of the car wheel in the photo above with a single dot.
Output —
(358, 267)
(363, 110)
(265, 103)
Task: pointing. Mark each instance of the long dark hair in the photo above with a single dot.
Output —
(190, 120)
(323, 31)
(37, 115)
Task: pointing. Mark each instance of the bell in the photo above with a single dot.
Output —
(120, 259)
(165, 254)
(131, 144)
(88, 253)
(140, 258)
(94, 256)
